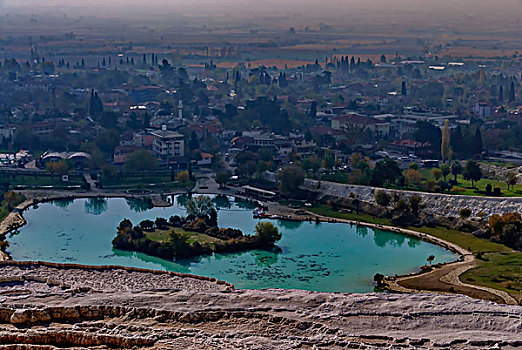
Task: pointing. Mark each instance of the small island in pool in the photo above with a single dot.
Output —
(196, 234)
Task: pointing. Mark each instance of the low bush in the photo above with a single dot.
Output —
(457, 190)
(465, 213)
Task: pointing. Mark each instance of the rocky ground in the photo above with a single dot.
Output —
(48, 306)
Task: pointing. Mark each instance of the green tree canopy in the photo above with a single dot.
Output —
(141, 160)
(290, 178)
(201, 207)
(386, 171)
(472, 172)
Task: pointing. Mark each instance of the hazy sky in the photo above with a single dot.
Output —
(478, 5)
(490, 8)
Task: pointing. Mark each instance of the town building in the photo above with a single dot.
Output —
(354, 120)
(168, 145)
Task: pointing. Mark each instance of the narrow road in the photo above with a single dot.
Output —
(90, 181)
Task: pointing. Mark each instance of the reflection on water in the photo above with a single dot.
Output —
(182, 200)
(361, 230)
(139, 205)
(148, 259)
(221, 202)
(245, 204)
(63, 203)
(289, 224)
(324, 257)
(96, 206)
(413, 242)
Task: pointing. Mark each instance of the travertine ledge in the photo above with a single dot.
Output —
(47, 306)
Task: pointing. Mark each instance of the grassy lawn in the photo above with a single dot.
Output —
(501, 271)
(163, 236)
(508, 165)
(465, 185)
(340, 177)
(464, 240)
(480, 186)
(41, 180)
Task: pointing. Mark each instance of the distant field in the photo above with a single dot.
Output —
(476, 52)
(279, 63)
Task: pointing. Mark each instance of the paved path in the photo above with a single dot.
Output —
(90, 181)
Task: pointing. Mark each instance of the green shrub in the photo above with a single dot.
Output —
(465, 213)
(457, 190)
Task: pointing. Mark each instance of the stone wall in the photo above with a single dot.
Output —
(434, 203)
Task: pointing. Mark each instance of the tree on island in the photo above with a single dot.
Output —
(179, 241)
(267, 232)
(147, 225)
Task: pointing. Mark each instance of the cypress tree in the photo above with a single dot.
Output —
(512, 92)
(477, 142)
(457, 141)
(313, 109)
(404, 92)
(501, 94)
